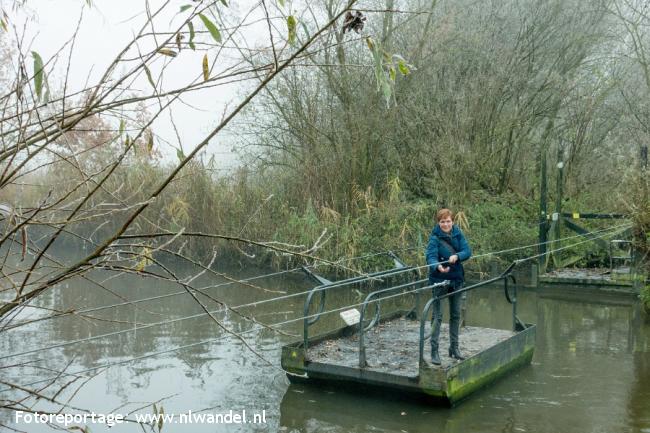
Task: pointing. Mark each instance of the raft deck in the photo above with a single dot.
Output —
(392, 355)
(392, 347)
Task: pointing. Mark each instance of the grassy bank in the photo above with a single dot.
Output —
(271, 208)
(267, 208)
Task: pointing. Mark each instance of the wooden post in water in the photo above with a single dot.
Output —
(558, 198)
(640, 247)
(542, 212)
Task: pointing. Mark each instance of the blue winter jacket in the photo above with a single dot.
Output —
(437, 252)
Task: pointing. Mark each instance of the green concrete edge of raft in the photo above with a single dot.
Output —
(478, 371)
(452, 384)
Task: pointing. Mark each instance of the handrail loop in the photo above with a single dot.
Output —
(511, 299)
(310, 319)
(375, 319)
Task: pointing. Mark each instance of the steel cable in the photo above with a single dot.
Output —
(255, 328)
(250, 304)
(227, 283)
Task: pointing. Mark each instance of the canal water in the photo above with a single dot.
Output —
(590, 372)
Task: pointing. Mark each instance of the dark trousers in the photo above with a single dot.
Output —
(454, 313)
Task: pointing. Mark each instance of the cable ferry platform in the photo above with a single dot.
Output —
(614, 279)
(391, 353)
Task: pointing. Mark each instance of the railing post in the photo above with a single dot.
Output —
(512, 300)
(514, 305)
(505, 289)
(362, 314)
(308, 321)
(423, 319)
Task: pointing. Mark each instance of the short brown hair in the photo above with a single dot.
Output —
(444, 213)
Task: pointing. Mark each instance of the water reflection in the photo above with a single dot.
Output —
(591, 370)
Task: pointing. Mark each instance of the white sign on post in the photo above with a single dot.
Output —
(350, 317)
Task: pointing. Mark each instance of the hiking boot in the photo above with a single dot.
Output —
(454, 353)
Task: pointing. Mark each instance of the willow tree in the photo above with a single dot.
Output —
(495, 89)
(92, 132)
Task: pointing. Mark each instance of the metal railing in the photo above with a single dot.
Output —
(326, 285)
(375, 319)
(377, 296)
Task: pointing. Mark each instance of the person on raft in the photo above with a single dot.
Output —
(446, 251)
